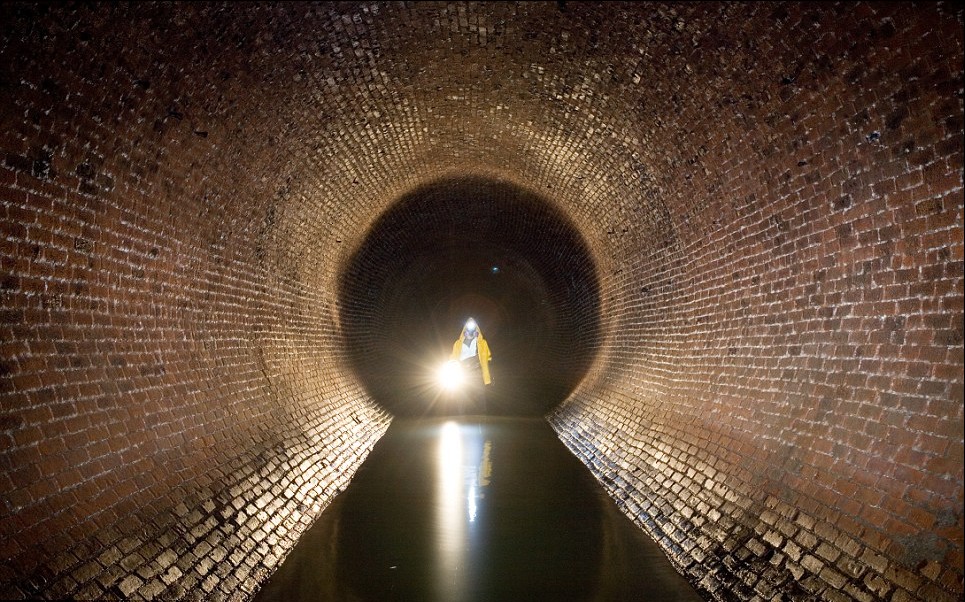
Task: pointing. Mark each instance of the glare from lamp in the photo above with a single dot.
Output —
(450, 375)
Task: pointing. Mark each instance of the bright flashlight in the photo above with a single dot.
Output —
(450, 375)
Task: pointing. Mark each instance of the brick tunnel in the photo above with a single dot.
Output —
(726, 238)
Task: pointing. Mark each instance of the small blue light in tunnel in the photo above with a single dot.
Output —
(495, 269)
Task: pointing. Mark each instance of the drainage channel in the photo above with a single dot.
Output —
(470, 509)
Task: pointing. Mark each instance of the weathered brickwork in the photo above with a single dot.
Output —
(175, 405)
(771, 195)
(788, 411)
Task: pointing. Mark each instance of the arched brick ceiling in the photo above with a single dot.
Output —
(769, 196)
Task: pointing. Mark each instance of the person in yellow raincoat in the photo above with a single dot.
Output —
(472, 351)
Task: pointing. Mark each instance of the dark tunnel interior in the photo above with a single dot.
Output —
(480, 248)
(716, 249)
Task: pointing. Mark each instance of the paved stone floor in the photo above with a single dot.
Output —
(472, 509)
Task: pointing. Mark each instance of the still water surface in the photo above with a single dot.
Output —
(471, 510)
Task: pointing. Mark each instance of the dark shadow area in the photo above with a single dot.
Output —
(480, 248)
(474, 509)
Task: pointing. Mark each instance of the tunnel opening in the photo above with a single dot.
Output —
(772, 194)
(475, 247)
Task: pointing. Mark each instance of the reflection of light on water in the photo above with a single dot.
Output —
(451, 524)
(482, 479)
(464, 470)
(471, 500)
(451, 479)
(485, 467)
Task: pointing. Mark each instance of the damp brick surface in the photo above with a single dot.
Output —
(771, 195)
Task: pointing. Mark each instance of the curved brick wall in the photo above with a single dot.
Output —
(770, 196)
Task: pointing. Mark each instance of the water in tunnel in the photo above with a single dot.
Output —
(728, 241)
(471, 247)
(475, 509)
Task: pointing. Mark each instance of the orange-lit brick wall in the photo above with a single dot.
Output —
(771, 195)
(782, 406)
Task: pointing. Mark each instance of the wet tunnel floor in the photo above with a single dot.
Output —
(474, 509)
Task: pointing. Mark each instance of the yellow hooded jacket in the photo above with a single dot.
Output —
(482, 351)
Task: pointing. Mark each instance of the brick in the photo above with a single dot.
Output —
(753, 262)
(129, 585)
